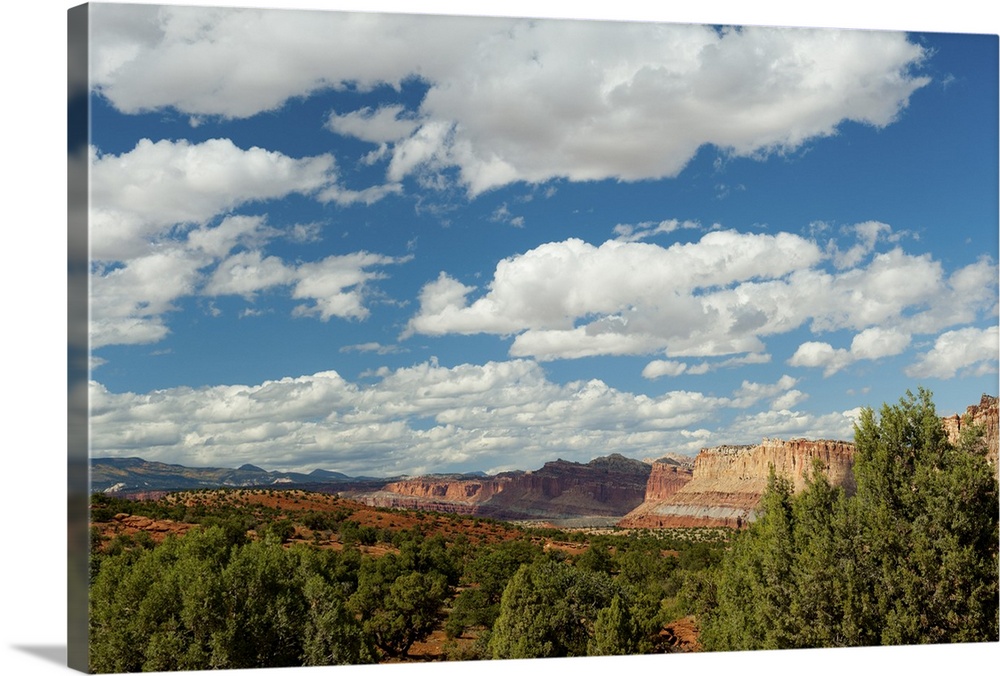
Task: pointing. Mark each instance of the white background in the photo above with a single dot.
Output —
(33, 328)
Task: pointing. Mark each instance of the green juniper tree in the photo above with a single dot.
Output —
(616, 632)
(332, 633)
(754, 585)
(549, 608)
(910, 558)
(397, 605)
(929, 528)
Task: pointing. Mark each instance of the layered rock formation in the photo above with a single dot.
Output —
(984, 415)
(459, 495)
(727, 482)
(450, 490)
(609, 486)
(665, 480)
(605, 487)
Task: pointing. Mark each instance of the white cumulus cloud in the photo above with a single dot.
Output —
(143, 194)
(514, 100)
(498, 414)
(634, 297)
(872, 343)
(751, 393)
(162, 228)
(969, 350)
(724, 294)
(128, 303)
(663, 367)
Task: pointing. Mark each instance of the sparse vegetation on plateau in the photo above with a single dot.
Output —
(335, 582)
(256, 578)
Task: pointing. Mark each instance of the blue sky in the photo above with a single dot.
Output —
(384, 244)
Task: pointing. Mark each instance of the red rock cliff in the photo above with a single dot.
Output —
(608, 487)
(728, 481)
(984, 415)
(721, 487)
(604, 487)
(470, 491)
(665, 480)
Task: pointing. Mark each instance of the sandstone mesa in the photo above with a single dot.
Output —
(722, 486)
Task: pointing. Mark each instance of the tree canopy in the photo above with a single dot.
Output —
(910, 558)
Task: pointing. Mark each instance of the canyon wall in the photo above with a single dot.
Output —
(722, 486)
(665, 480)
(605, 487)
(983, 414)
(727, 482)
(471, 491)
(458, 495)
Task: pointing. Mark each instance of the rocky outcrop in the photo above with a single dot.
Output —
(458, 495)
(983, 415)
(609, 486)
(133, 524)
(605, 487)
(464, 491)
(727, 482)
(665, 480)
(679, 636)
(393, 500)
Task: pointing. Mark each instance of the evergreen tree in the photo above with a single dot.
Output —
(930, 527)
(397, 606)
(754, 587)
(548, 610)
(159, 609)
(488, 572)
(615, 630)
(264, 609)
(596, 559)
(332, 633)
(815, 611)
(910, 558)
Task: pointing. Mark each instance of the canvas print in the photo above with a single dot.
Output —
(405, 338)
